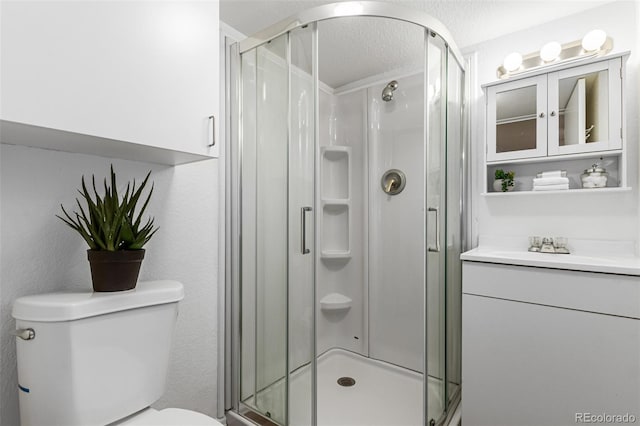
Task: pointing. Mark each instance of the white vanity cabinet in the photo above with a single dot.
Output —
(132, 79)
(544, 346)
(574, 109)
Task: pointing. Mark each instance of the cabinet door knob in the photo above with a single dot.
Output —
(542, 115)
(553, 113)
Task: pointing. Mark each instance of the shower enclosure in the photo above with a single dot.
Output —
(347, 222)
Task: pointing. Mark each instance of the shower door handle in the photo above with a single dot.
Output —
(303, 242)
(212, 131)
(436, 249)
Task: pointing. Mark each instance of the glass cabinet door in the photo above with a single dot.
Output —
(585, 108)
(516, 119)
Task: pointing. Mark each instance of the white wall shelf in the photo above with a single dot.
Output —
(13, 133)
(567, 191)
(574, 166)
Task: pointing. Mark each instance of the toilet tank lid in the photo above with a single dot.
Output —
(53, 307)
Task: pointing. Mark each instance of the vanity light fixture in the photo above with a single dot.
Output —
(550, 51)
(512, 62)
(594, 40)
(595, 43)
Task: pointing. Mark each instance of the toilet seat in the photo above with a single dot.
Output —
(168, 417)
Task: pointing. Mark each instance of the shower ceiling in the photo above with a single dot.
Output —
(381, 48)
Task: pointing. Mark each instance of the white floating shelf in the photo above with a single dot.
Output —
(336, 254)
(13, 133)
(335, 302)
(566, 191)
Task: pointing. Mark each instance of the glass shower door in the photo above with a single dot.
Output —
(276, 282)
(265, 227)
(436, 209)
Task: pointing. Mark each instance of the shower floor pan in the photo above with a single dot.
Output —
(382, 395)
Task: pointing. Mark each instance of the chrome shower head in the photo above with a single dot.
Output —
(387, 92)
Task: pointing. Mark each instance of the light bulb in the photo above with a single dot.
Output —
(550, 51)
(512, 62)
(594, 40)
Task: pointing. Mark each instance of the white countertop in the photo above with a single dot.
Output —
(623, 262)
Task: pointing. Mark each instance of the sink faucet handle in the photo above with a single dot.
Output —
(560, 242)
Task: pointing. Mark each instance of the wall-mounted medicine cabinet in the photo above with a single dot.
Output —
(572, 112)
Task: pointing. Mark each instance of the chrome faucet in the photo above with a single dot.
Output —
(557, 245)
(547, 245)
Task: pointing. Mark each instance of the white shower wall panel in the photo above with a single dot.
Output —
(397, 251)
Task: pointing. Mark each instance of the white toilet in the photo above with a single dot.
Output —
(88, 359)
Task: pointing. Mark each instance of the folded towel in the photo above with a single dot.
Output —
(551, 187)
(550, 181)
(554, 173)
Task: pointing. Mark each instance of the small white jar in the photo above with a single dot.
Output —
(594, 177)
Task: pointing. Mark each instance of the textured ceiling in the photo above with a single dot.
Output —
(354, 48)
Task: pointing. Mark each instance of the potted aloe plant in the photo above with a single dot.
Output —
(114, 232)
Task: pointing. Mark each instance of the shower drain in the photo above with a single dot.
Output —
(346, 381)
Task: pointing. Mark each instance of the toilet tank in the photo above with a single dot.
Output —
(96, 357)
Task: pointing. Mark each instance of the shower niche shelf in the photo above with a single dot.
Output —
(335, 302)
(336, 203)
(336, 172)
(335, 231)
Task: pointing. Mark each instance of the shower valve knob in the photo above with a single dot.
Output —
(393, 182)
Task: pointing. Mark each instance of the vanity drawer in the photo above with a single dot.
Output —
(587, 291)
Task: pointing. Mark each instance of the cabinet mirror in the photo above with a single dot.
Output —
(583, 108)
(516, 119)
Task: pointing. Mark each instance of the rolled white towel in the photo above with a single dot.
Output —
(553, 173)
(550, 181)
(558, 187)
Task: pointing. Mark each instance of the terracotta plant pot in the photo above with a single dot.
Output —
(115, 270)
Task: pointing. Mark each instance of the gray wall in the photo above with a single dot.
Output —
(40, 254)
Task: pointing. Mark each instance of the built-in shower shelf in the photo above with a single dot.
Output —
(336, 254)
(336, 172)
(335, 302)
(335, 232)
(335, 201)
